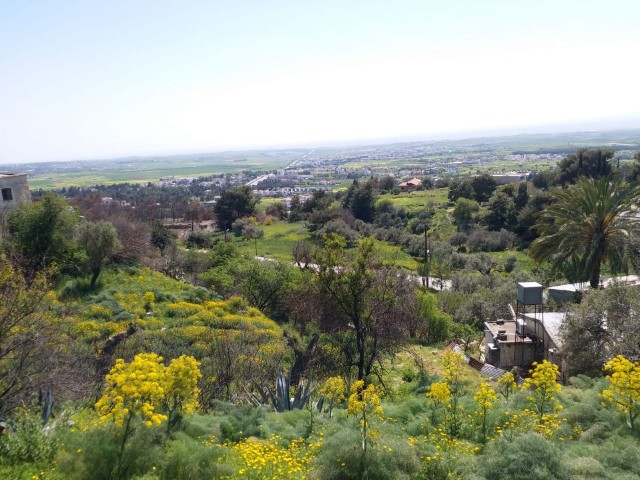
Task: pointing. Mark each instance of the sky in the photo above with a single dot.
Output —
(103, 79)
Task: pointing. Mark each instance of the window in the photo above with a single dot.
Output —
(7, 195)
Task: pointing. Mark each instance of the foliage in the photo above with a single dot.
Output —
(332, 391)
(623, 392)
(132, 389)
(161, 236)
(26, 442)
(234, 203)
(542, 388)
(606, 323)
(589, 223)
(526, 457)
(100, 241)
(30, 337)
(364, 404)
(485, 397)
(261, 459)
(280, 398)
(584, 163)
(507, 384)
(42, 233)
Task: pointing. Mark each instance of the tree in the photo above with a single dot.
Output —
(460, 189)
(194, 213)
(590, 222)
(42, 232)
(483, 187)
(606, 323)
(161, 236)
(30, 336)
(584, 163)
(634, 173)
(234, 203)
(99, 241)
(362, 303)
(501, 212)
(361, 200)
(464, 211)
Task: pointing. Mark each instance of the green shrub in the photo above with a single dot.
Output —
(527, 457)
(243, 422)
(26, 442)
(93, 455)
(341, 458)
(187, 459)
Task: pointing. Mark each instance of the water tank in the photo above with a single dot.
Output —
(529, 293)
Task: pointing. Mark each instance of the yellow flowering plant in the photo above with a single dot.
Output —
(260, 459)
(144, 388)
(543, 388)
(485, 397)
(364, 403)
(333, 391)
(453, 367)
(134, 388)
(623, 392)
(181, 388)
(507, 385)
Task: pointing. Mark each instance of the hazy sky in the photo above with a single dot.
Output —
(93, 79)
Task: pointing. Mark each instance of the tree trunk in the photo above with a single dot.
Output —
(94, 276)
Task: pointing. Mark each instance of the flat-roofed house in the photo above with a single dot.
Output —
(14, 189)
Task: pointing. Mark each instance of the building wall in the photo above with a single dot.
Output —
(14, 190)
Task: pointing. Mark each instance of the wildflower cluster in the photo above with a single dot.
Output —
(333, 391)
(146, 386)
(364, 403)
(484, 398)
(507, 384)
(440, 393)
(262, 459)
(442, 452)
(624, 387)
(133, 388)
(527, 421)
(543, 387)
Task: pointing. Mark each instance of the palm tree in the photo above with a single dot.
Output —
(589, 224)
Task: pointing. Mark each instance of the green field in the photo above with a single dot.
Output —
(151, 169)
(280, 237)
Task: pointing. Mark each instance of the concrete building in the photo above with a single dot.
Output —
(532, 335)
(14, 189)
(510, 177)
(530, 338)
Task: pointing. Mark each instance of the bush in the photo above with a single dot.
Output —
(527, 457)
(341, 228)
(485, 241)
(187, 459)
(93, 455)
(341, 458)
(199, 240)
(26, 442)
(243, 422)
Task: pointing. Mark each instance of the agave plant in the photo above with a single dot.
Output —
(280, 398)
